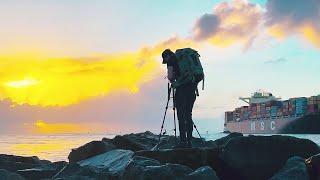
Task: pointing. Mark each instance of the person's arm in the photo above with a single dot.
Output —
(170, 73)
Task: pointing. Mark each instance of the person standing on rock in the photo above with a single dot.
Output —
(184, 71)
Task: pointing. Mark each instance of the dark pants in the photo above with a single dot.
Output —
(184, 99)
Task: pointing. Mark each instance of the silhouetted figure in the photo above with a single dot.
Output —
(184, 73)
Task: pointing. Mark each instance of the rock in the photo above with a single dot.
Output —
(295, 168)
(21, 159)
(89, 150)
(162, 172)
(6, 175)
(114, 162)
(15, 166)
(313, 164)
(75, 171)
(42, 172)
(203, 173)
(260, 157)
(194, 158)
(223, 141)
(136, 142)
(15, 163)
(136, 166)
(37, 173)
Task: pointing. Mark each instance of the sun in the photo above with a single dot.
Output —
(22, 83)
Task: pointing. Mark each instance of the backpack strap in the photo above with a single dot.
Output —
(203, 83)
(197, 91)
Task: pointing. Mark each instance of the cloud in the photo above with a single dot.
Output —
(46, 81)
(229, 23)
(288, 17)
(276, 61)
(242, 21)
(37, 79)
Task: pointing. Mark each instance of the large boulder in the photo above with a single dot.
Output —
(15, 163)
(74, 171)
(295, 168)
(260, 157)
(21, 159)
(164, 172)
(15, 166)
(143, 168)
(42, 172)
(6, 175)
(136, 166)
(224, 140)
(89, 150)
(203, 173)
(135, 142)
(114, 162)
(313, 164)
(194, 158)
(168, 142)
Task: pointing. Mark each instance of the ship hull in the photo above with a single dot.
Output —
(306, 124)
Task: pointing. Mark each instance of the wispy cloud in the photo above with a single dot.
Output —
(276, 61)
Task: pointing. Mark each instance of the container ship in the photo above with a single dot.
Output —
(267, 114)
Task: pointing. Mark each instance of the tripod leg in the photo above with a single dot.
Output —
(165, 113)
(194, 125)
(174, 114)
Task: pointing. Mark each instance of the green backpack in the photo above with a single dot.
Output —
(190, 66)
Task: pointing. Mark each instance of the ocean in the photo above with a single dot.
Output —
(57, 147)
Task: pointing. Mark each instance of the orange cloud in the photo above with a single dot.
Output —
(229, 23)
(37, 79)
(45, 81)
(284, 18)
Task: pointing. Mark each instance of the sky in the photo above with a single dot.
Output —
(83, 66)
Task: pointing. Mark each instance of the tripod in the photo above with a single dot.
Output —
(170, 89)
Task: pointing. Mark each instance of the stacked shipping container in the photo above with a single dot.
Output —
(294, 106)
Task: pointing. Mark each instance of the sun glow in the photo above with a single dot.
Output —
(49, 81)
(22, 83)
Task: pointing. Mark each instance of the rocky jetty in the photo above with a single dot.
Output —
(140, 156)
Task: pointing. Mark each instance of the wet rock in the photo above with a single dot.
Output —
(75, 171)
(136, 166)
(21, 159)
(165, 172)
(15, 166)
(6, 175)
(194, 158)
(203, 173)
(15, 163)
(42, 172)
(313, 164)
(136, 142)
(114, 162)
(224, 140)
(89, 150)
(260, 157)
(295, 168)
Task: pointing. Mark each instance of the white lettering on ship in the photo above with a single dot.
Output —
(262, 126)
(273, 125)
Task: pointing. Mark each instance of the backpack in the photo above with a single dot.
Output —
(189, 63)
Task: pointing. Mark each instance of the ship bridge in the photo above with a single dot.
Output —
(259, 97)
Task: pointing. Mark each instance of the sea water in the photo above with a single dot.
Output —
(58, 147)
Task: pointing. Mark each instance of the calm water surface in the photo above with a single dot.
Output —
(57, 147)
